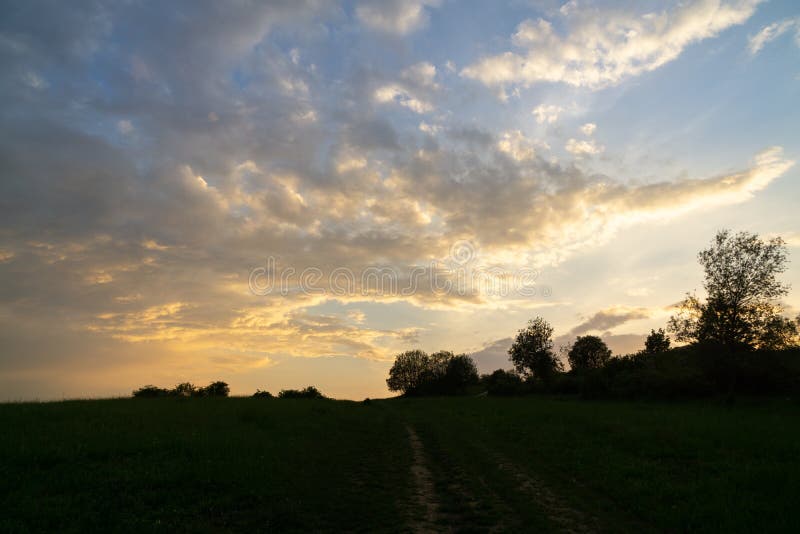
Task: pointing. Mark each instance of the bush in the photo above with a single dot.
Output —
(150, 391)
(699, 370)
(214, 389)
(263, 394)
(184, 389)
(308, 393)
(504, 383)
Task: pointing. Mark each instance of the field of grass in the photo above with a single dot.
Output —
(457, 464)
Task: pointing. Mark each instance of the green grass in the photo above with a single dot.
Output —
(299, 465)
(199, 464)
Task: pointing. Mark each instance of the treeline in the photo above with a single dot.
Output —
(221, 389)
(737, 341)
(657, 371)
(309, 392)
(184, 389)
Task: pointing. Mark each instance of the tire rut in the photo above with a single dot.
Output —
(425, 496)
(563, 516)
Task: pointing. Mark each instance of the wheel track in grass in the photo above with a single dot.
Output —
(436, 517)
(425, 496)
(565, 517)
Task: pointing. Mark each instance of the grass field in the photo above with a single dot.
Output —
(458, 464)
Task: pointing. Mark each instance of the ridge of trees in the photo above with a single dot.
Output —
(221, 389)
(184, 389)
(737, 339)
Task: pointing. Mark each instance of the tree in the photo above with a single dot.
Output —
(503, 383)
(184, 389)
(742, 311)
(150, 391)
(461, 372)
(658, 341)
(415, 372)
(532, 351)
(309, 392)
(214, 389)
(407, 370)
(588, 352)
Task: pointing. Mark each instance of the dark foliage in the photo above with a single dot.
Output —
(215, 389)
(184, 389)
(263, 394)
(503, 383)
(588, 352)
(441, 373)
(532, 352)
(657, 341)
(309, 392)
(743, 309)
(686, 372)
(150, 391)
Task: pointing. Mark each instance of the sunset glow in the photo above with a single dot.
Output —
(291, 193)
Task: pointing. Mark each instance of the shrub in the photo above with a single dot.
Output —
(263, 394)
(184, 389)
(309, 392)
(150, 391)
(214, 389)
(503, 383)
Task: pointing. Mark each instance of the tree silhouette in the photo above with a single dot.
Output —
(407, 371)
(658, 341)
(309, 392)
(214, 389)
(742, 311)
(588, 352)
(415, 372)
(532, 351)
(184, 389)
(461, 372)
(150, 391)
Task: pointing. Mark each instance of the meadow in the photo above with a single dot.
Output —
(461, 464)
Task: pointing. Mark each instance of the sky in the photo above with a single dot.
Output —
(290, 193)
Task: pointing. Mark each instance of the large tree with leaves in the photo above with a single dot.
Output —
(588, 352)
(742, 309)
(532, 351)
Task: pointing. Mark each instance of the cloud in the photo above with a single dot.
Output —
(602, 48)
(638, 291)
(518, 146)
(135, 251)
(416, 83)
(493, 355)
(580, 147)
(606, 319)
(588, 128)
(398, 95)
(125, 127)
(547, 114)
(398, 17)
(422, 74)
(601, 322)
(769, 33)
(429, 128)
